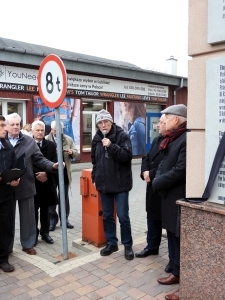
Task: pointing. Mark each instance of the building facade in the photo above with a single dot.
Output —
(133, 96)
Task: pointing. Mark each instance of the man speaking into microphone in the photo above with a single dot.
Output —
(111, 155)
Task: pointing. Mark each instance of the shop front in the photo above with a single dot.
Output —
(135, 106)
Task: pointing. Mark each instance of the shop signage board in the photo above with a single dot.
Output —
(25, 80)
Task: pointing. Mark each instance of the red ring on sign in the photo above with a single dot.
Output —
(58, 61)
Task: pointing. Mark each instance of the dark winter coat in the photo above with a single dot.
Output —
(7, 161)
(112, 174)
(170, 181)
(46, 191)
(27, 145)
(150, 163)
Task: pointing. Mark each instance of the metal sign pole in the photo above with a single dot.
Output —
(52, 86)
(61, 184)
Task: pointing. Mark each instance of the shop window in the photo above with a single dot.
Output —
(9, 106)
(13, 107)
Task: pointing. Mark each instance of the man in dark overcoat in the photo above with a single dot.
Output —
(149, 166)
(7, 161)
(45, 182)
(169, 183)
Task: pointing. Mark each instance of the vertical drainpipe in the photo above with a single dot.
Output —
(175, 91)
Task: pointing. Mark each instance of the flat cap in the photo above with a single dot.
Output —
(178, 110)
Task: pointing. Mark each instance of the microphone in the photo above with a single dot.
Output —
(106, 150)
(104, 134)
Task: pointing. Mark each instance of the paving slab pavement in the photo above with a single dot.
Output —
(88, 275)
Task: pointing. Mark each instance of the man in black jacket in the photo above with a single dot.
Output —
(170, 183)
(7, 161)
(111, 155)
(45, 182)
(149, 166)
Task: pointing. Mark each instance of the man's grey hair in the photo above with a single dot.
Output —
(37, 122)
(53, 125)
(182, 119)
(12, 116)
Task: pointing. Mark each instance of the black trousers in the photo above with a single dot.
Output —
(6, 228)
(40, 203)
(53, 216)
(154, 234)
(174, 242)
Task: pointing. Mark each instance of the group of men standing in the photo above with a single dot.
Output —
(163, 169)
(36, 189)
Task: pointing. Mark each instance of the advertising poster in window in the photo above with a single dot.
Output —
(131, 117)
(69, 115)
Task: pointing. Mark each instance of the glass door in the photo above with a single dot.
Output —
(8, 106)
(90, 110)
(152, 120)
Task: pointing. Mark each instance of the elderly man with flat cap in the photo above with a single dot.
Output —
(111, 155)
(169, 183)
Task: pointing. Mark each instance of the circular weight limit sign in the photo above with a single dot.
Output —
(52, 81)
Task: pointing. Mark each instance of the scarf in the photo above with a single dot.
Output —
(173, 135)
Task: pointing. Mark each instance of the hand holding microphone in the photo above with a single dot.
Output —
(104, 134)
(106, 142)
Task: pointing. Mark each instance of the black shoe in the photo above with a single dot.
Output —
(146, 252)
(6, 267)
(52, 228)
(128, 253)
(69, 226)
(47, 238)
(109, 249)
(169, 267)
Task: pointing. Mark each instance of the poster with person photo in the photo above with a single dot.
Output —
(69, 115)
(131, 117)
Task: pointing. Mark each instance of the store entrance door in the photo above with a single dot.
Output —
(152, 120)
(8, 106)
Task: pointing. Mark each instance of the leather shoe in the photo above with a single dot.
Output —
(174, 296)
(169, 267)
(47, 238)
(128, 253)
(69, 226)
(52, 228)
(171, 279)
(109, 249)
(146, 252)
(30, 251)
(6, 267)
